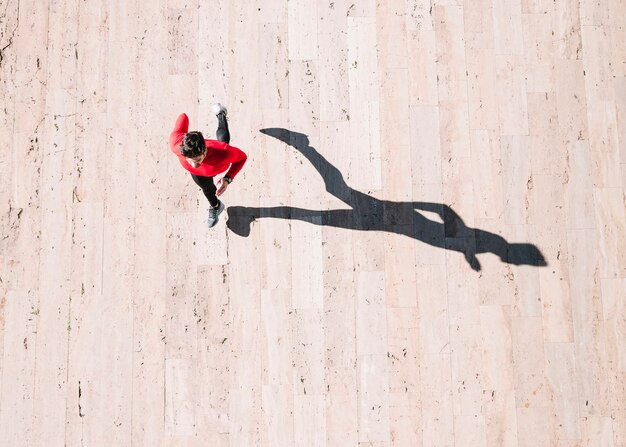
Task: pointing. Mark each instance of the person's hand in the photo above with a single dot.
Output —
(221, 187)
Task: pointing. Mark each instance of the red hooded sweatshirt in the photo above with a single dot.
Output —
(218, 158)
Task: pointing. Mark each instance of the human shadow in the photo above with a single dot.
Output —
(368, 213)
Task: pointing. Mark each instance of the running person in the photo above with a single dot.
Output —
(205, 159)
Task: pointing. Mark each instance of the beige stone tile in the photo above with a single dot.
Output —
(561, 371)
(53, 276)
(436, 394)
(309, 419)
(425, 150)
(213, 49)
(366, 8)
(306, 264)
(403, 355)
(400, 265)
(497, 348)
(302, 43)
(571, 101)
(496, 283)
(391, 35)
(396, 171)
(611, 226)
(584, 276)
(270, 12)
(405, 426)
(482, 97)
(605, 158)
(533, 427)
(373, 398)
(422, 65)
(363, 78)
(275, 62)
(539, 49)
(463, 289)
(467, 373)
(332, 52)
(598, 71)
(101, 341)
(593, 13)
(433, 310)
(371, 327)
(474, 15)
(19, 321)
(307, 353)
(591, 351)
(180, 401)
(566, 24)
(597, 431)
(277, 337)
(619, 90)
(214, 383)
(507, 21)
(306, 186)
(500, 418)
(275, 166)
(149, 303)
(470, 429)
(618, 40)
(246, 338)
(120, 77)
(368, 251)
(183, 42)
(556, 303)
(180, 329)
(212, 310)
(547, 151)
(569, 443)
(531, 391)
(276, 250)
(339, 306)
(526, 283)
(458, 186)
(419, 15)
(451, 63)
(119, 181)
(245, 415)
(512, 101)
(614, 309)
(547, 213)
(211, 247)
(479, 24)
(341, 417)
(87, 249)
(516, 170)
(394, 112)
(579, 203)
(619, 428)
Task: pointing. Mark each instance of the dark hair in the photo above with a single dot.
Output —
(192, 145)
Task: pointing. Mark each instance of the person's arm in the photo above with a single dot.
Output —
(238, 158)
(180, 129)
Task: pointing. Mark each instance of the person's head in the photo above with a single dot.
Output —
(193, 148)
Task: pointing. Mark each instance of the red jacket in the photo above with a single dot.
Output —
(218, 158)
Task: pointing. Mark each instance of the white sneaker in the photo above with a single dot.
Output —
(219, 108)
